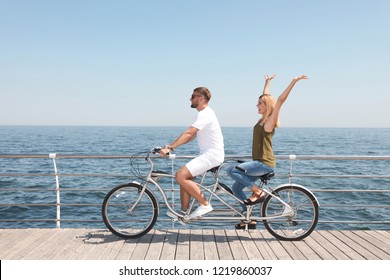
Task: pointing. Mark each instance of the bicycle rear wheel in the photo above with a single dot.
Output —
(119, 216)
(297, 224)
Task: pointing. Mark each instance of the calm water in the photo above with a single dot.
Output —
(130, 140)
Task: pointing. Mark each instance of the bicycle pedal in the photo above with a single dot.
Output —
(182, 221)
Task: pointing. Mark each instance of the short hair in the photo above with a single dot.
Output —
(203, 91)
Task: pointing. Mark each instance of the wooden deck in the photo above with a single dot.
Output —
(185, 244)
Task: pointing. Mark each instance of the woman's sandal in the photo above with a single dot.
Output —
(242, 226)
(259, 199)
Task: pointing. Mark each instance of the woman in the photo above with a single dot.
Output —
(262, 152)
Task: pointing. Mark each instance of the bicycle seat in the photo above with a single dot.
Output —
(267, 176)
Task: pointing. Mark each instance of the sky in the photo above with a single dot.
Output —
(136, 63)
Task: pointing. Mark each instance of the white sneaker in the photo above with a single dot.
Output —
(200, 211)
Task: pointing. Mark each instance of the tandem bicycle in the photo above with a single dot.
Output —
(289, 212)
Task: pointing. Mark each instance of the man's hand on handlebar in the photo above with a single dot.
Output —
(166, 150)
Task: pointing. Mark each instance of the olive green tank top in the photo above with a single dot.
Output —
(262, 146)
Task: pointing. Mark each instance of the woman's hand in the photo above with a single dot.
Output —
(303, 77)
(267, 83)
(269, 78)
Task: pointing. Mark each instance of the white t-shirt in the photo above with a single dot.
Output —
(209, 136)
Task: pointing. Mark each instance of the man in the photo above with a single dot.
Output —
(208, 132)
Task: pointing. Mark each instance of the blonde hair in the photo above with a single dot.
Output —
(269, 102)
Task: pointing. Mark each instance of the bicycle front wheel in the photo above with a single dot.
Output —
(295, 223)
(126, 217)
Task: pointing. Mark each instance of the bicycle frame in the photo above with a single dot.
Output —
(289, 212)
(152, 178)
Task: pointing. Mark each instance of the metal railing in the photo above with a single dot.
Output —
(328, 187)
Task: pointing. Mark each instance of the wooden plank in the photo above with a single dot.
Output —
(238, 253)
(371, 251)
(99, 243)
(127, 249)
(319, 250)
(10, 240)
(276, 247)
(249, 246)
(299, 250)
(47, 245)
(111, 247)
(385, 233)
(183, 245)
(292, 250)
(78, 245)
(262, 245)
(340, 247)
(156, 245)
(20, 244)
(333, 249)
(142, 247)
(382, 238)
(8, 234)
(210, 248)
(196, 245)
(169, 249)
(349, 246)
(59, 245)
(113, 250)
(222, 243)
(306, 250)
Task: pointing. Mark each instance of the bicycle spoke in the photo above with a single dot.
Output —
(292, 223)
(125, 218)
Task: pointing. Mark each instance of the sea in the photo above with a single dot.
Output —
(82, 195)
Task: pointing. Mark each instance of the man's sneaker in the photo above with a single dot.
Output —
(200, 211)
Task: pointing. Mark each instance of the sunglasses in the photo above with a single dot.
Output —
(195, 95)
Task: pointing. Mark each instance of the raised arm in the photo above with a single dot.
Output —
(283, 97)
(267, 83)
(273, 118)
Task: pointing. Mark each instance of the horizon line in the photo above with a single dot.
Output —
(233, 126)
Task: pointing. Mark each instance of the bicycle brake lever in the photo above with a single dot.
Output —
(156, 150)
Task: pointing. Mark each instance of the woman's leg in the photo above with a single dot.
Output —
(257, 169)
(247, 173)
(238, 190)
(241, 182)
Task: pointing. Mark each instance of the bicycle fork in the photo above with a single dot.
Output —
(288, 211)
(141, 193)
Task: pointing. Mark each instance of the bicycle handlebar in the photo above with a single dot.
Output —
(156, 150)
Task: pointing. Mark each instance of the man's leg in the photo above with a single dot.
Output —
(185, 199)
(188, 188)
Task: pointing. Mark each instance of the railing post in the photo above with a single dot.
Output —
(173, 182)
(58, 212)
(290, 174)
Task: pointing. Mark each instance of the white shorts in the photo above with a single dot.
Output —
(201, 164)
